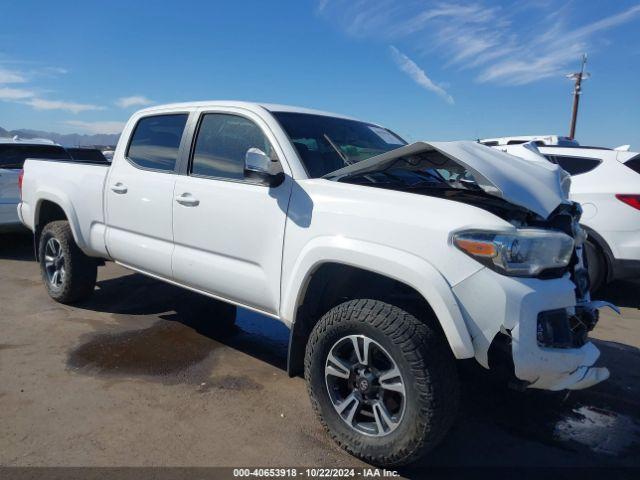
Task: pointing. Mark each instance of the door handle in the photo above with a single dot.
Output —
(119, 188)
(187, 200)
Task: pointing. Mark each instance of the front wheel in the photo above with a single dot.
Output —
(68, 274)
(383, 383)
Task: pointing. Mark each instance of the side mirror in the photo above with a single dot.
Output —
(260, 166)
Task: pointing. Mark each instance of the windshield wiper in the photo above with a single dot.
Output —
(340, 153)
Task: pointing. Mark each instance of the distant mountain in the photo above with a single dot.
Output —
(67, 140)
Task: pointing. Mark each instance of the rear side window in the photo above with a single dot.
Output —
(574, 165)
(90, 155)
(222, 143)
(634, 164)
(13, 155)
(156, 140)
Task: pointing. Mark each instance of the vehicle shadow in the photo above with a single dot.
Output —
(135, 295)
(499, 427)
(496, 426)
(623, 293)
(16, 246)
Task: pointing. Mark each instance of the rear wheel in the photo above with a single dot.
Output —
(383, 383)
(596, 265)
(69, 275)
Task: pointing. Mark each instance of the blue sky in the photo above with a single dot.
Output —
(433, 70)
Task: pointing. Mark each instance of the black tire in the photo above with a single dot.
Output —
(596, 265)
(428, 371)
(80, 271)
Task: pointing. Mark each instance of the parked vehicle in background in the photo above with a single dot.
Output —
(555, 140)
(108, 154)
(87, 155)
(606, 182)
(387, 261)
(13, 152)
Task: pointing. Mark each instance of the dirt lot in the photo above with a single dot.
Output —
(137, 376)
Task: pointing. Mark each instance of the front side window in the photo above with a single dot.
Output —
(574, 165)
(326, 144)
(222, 143)
(156, 141)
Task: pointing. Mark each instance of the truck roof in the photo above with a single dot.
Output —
(272, 107)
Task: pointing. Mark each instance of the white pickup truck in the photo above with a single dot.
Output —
(387, 261)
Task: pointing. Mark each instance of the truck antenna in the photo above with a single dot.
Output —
(577, 91)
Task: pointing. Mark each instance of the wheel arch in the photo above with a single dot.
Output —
(363, 270)
(49, 208)
(604, 248)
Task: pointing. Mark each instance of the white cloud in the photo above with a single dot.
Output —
(551, 53)
(10, 94)
(28, 96)
(73, 107)
(418, 75)
(134, 100)
(97, 127)
(322, 4)
(513, 44)
(10, 76)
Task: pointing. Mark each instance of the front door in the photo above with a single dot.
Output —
(229, 231)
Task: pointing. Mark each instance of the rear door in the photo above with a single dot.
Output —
(229, 230)
(139, 194)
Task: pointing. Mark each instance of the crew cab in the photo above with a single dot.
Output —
(389, 262)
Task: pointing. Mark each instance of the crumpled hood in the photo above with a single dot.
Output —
(531, 182)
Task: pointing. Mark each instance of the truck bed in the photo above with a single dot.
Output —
(77, 187)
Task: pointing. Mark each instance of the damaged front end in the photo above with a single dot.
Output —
(536, 329)
(530, 315)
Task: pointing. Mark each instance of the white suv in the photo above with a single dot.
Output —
(606, 183)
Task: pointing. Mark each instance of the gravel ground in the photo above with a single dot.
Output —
(137, 376)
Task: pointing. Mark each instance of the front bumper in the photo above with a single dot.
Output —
(494, 304)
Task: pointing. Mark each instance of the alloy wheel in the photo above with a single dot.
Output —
(365, 385)
(54, 263)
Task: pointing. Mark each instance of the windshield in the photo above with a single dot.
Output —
(13, 155)
(325, 143)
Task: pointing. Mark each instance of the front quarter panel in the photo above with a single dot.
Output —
(400, 235)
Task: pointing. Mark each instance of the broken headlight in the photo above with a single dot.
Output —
(524, 253)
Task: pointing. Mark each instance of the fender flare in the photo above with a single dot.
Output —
(399, 265)
(61, 200)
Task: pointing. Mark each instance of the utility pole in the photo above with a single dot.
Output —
(577, 91)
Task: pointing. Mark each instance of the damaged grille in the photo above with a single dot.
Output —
(561, 329)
